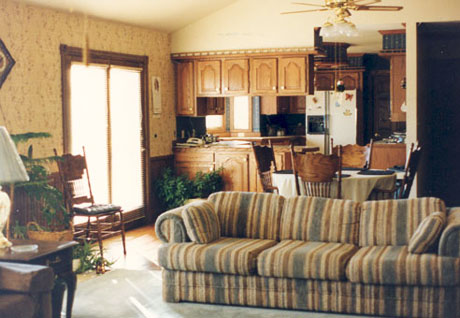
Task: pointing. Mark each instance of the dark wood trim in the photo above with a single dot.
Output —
(71, 54)
(157, 166)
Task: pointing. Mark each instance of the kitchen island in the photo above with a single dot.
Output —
(240, 170)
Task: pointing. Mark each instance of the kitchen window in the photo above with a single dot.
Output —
(240, 114)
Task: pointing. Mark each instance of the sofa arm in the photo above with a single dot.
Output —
(449, 243)
(170, 227)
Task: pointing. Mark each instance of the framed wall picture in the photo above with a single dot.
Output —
(156, 94)
(6, 62)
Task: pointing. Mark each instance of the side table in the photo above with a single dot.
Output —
(57, 255)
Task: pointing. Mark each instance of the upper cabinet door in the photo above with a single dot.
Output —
(351, 80)
(264, 77)
(185, 89)
(324, 81)
(292, 75)
(208, 78)
(235, 74)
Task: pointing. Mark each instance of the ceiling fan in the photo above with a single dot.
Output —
(341, 10)
(344, 6)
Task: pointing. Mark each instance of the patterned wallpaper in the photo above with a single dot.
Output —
(31, 95)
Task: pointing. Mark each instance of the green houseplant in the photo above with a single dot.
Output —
(40, 202)
(174, 190)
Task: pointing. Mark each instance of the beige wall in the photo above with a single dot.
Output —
(31, 95)
(258, 24)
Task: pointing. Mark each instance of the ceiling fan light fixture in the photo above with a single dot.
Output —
(327, 30)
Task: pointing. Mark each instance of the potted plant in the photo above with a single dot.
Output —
(175, 190)
(38, 203)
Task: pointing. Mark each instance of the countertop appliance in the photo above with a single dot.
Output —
(331, 114)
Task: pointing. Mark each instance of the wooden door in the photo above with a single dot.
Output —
(208, 78)
(264, 77)
(235, 77)
(398, 94)
(236, 170)
(185, 89)
(438, 114)
(324, 81)
(291, 75)
(380, 88)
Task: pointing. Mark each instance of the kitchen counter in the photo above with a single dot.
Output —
(299, 139)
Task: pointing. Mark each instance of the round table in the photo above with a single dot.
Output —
(356, 187)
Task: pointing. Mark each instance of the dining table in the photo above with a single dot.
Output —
(356, 184)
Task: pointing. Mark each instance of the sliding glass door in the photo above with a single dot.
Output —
(106, 119)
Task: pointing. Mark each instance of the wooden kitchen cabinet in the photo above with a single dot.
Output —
(235, 170)
(291, 75)
(398, 94)
(235, 76)
(208, 77)
(264, 75)
(212, 105)
(190, 162)
(326, 80)
(186, 101)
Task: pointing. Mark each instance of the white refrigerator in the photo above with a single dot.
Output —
(329, 115)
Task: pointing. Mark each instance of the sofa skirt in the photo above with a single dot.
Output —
(314, 295)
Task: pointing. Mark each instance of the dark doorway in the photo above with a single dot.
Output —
(438, 113)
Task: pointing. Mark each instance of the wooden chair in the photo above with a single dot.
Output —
(355, 156)
(79, 201)
(317, 172)
(401, 190)
(266, 164)
(410, 171)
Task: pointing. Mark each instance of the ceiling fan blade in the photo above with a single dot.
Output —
(378, 8)
(367, 2)
(302, 11)
(308, 4)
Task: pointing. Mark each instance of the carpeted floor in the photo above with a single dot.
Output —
(123, 293)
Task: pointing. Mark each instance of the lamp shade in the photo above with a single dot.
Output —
(11, 167)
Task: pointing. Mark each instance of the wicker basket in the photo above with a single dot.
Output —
(42, 235)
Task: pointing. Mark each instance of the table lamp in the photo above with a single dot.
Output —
(11, 170)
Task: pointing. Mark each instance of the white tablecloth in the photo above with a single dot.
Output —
(357, 187)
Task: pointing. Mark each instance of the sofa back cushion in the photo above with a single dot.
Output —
(248, 215)
(393, 222)
(320, 220)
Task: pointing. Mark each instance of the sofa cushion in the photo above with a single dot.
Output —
(449, 242)
(226, 255)
(299, 259)
(427, 233)
(248, 215)
(393, 222)
(201, 222)
(320, 220)
(395, 265)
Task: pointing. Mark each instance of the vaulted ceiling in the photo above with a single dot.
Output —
(162, 15)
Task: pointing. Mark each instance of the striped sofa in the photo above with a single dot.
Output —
(314, 254)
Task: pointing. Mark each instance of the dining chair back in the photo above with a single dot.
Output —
(266, 164)
(316, 172)
(355, 156)
(79, 201)
(410, 170)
